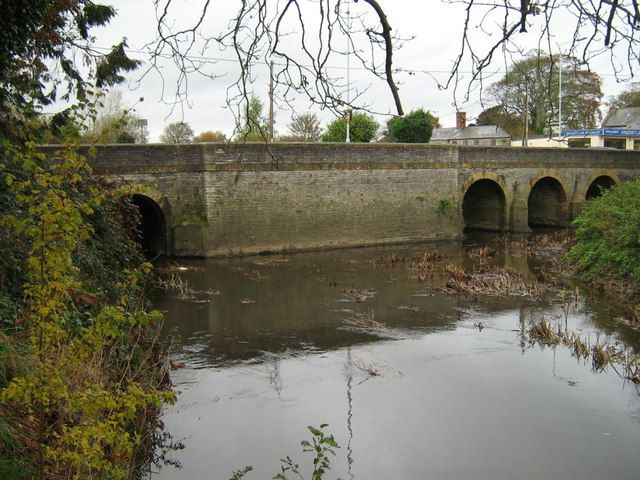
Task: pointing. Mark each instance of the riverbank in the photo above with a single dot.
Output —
(82, 375)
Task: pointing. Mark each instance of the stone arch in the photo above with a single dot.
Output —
(484, 202)
(547, 202)
(152, 229)
(156, 220)
(599, 181)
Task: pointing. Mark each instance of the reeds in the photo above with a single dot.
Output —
(357, 295)
(366, 320)
(177, 284)
(494, 281)
(390, 260)
(602, 355)
(482, 253)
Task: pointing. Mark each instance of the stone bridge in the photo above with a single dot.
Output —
(229, 199)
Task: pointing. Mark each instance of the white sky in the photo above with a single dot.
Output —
(436, 26)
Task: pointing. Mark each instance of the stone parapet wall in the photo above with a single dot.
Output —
(229, 199)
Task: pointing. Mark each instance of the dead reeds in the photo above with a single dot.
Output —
(423, 266)
(176, 284)
(602, 355)
(390, 260)
(357, 295)
(366, 320)
(482, 253)
(494, 281)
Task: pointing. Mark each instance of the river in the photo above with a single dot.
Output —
(431, 384)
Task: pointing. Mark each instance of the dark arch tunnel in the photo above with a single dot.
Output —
(484, 206)
(598, 185)
(547, 204)
(152, 228)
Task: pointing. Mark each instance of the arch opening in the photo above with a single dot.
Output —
(151, 232)
(484, 206)
(601, 183)
(547, 204)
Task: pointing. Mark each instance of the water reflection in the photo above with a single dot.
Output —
(433, 396)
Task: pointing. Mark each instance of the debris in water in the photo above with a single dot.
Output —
(483, 252)
(177, 365)
(358, 295)
(366, 320)
(495, 281)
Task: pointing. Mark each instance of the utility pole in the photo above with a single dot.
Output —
(525, 136)
(271, 101)
(560, 99)
(348, 139)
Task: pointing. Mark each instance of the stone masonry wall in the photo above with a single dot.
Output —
(227, 199)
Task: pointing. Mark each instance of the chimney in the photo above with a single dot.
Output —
(461, 119)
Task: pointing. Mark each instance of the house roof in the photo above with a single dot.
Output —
(623, 118)
(469, 133)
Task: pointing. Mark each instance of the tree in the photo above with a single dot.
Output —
(305, 127)
(253, 125)
(495, 28)
(177, 132)
(415, 127)
(114, 123)
(363, 128)
(46, 54)
(302, 38)
(627, 98)
(210, 136)
(498, 115)
(538, 76)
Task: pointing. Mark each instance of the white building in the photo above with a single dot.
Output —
(486, 135)
(620, 129)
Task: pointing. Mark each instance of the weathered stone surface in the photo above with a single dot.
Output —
(228, 199)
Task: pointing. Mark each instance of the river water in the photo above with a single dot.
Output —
(441, 386)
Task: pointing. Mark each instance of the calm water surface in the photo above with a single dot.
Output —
(269, 350)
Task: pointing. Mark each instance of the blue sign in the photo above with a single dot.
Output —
(614, 132)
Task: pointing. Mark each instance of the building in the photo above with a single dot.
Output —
(620, 129)
(486, 135)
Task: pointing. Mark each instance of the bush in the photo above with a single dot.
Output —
(608, 235)
(415, 127)
(363, 129)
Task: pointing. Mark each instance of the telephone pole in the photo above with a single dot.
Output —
(525, 136)
(348, 139)
(271, 101)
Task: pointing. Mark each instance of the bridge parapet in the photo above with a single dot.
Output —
(225, 199)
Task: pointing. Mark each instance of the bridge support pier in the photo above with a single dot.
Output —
(518, 211)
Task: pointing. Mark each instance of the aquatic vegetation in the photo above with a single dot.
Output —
(495, 281)
(482, 253)
(357, 295)
(177, 284)
(602, 355)
(390, 260)
(365, 320)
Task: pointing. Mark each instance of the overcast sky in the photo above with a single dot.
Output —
(434, 25)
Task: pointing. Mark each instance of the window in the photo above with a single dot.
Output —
(636, 144)
(619, 143)
(493, 142)
(579, 142)
(476, 142)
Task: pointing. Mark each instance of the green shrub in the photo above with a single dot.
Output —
(607, 241)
